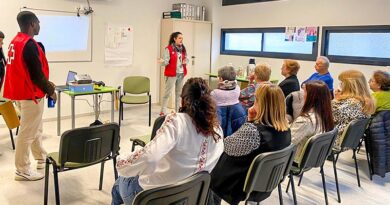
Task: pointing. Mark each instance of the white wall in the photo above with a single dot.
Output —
(143, 15)
(296, 13)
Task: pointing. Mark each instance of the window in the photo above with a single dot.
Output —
(265, 42)
(368, 45)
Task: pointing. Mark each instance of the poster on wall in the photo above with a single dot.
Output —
(311, 34)
(118, 50)
(300, 34)
(290, 31)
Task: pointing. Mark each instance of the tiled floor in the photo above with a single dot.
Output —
(81, 186)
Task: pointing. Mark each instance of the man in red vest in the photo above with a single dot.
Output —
(26, 82)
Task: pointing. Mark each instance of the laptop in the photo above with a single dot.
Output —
(70, 78)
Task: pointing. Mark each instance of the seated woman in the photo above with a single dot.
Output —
(316, 116)
(266, 130)
(352, 101)
(261, 76)
(231, 114)
(380, 85)
(290, 70)
(187, 142)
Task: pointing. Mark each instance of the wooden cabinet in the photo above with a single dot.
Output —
(197, 40)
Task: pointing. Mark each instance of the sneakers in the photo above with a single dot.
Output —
(41, 164)
(29, 176)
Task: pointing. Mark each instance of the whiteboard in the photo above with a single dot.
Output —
(65, 36)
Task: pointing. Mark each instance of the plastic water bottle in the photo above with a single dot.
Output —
(251, 67)
(50, 102)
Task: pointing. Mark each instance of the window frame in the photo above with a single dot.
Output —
(223, 51)
(327, 30)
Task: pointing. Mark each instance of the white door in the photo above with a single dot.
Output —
(202, 49)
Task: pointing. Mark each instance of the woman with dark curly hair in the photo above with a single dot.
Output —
(188, 142)
(380, 85)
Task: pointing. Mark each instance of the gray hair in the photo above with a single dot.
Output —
(1, 35)
(325, 61)
(227, 73)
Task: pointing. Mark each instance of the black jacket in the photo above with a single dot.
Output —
(228, 176)
(289, 85)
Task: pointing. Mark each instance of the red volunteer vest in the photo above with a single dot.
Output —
(18, 84)
(170, 69)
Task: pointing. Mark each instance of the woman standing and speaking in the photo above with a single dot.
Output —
(175, 61)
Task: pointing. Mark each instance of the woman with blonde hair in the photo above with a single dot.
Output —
(352, 100)
(290, 70)
(266, 130)
(261, 76)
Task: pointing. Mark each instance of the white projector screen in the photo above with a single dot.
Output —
(65, 36)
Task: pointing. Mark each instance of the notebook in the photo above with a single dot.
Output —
(70, 78)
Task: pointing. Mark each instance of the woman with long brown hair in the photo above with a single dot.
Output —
(175, 61)
(187, 142)
(316, 115)
(352, 101)
(266, 130)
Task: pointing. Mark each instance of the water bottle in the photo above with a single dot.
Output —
(251, 66)
(50, 102)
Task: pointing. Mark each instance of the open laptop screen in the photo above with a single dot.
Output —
(70, 77)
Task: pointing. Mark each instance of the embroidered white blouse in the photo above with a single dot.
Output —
(176, 152)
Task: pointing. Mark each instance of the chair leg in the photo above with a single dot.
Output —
(56, 187)
(120, 113)
(370, 171)
(288, 183)
(337, 181)
(150, 110)
(115, 171)
(293, 189)
(300, 179)
(324, 185)
(356, 167)
(12, 139)
(101, 175)
(280, 194)
(46, 182)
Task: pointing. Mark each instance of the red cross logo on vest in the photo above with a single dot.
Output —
(11, 54)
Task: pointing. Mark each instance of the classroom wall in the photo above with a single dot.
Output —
(143, 15)
(296, 13)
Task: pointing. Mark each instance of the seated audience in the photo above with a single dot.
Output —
(322, 68)
(228, 91)
(266, 130)
(173, 154)
(380, 85)
(316, 116)
(352, 101)
(261, 76)
(290, 70)
(231, 114)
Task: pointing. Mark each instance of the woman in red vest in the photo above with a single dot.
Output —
(175, 61)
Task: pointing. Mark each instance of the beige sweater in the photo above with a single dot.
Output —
(301, 130)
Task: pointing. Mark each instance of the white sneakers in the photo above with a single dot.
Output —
(41, 164)
(29, 176)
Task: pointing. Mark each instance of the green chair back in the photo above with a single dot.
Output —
(89, 145)
(267, 170)
(136, 85)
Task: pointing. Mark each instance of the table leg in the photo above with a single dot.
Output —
(96, 105)
(73, 112)
(58, 113)
(112, 106)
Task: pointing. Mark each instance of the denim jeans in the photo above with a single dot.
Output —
(169, 83)
(125, 190)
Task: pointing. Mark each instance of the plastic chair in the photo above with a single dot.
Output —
(350, 139)
(316, 150)
(132, 87)
(143, 140)
(192, 190)
(7, 110)
(83, 147)
(267, 171)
